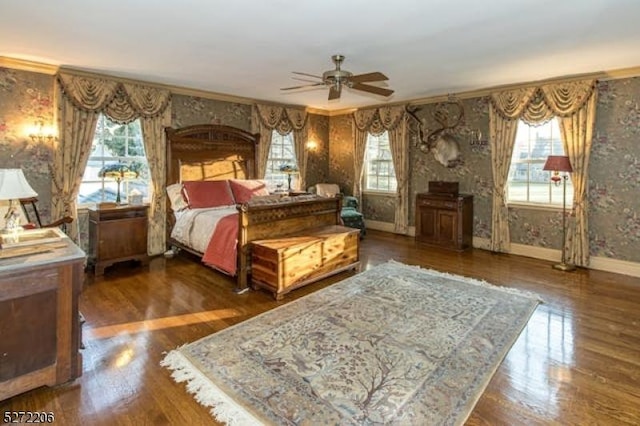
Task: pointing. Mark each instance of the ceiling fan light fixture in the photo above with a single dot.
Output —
(338, 78)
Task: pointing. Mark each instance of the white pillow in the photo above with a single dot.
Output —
(327, 189)
(178, 202)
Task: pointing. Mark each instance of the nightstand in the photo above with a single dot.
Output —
(117, 234)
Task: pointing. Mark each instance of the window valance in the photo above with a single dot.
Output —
(379, 120)
(539, 104)
(122, 102)
(282, 119)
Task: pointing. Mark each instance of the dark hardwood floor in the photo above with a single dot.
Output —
(577, 361)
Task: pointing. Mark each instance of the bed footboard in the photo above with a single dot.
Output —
(276, 220)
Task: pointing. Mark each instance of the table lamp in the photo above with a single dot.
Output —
(13, 187)
(557, 164)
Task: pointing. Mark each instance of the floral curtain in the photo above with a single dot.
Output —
(574, 103)
(376, 121)
(80, 99)
(266, 119)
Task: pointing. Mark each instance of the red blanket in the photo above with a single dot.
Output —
(222, 250)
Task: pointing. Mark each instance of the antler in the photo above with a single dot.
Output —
(441, 115)
(411, 110)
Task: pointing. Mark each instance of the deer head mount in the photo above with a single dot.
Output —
(441, 142)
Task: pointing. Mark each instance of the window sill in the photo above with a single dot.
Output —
(380, 193)
(533, 206)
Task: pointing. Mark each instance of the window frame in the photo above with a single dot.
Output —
(105, 159)
(272, 168)
(536, 205)
(366, 163)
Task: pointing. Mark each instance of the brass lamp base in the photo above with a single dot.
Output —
(565, 267)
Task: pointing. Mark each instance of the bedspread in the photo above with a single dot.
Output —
(222, 250)
(212, 232)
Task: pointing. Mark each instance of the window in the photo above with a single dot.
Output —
(527, 182)
(379, 174)
(281, 154)
(114, 144)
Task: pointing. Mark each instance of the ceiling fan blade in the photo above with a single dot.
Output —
(372, 89)
(334, 92)
(300, 87)
(370, 76)
(303, 79)
(308, 75)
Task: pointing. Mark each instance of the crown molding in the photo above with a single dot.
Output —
(49, 69)
(479, 93)
(24, 65)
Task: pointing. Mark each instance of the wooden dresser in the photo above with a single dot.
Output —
(444, 220)
(117, 234)
(40, 334)
(283, 264)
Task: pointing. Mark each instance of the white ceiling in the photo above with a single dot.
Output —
(248, 48)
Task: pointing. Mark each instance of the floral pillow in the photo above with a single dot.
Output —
(244, 190)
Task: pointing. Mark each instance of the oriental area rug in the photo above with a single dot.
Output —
(395, 344)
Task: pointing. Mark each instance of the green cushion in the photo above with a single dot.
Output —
(350, 213)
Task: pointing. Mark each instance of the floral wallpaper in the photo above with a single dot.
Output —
(191, 110)
(614, 180)
(614, 172)
(318, 158)
(341, 153)
(25, 98)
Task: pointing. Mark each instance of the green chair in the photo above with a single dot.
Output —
(350, 213)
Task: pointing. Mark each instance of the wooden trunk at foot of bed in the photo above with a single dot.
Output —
(269, 221)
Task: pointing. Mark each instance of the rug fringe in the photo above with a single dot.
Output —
(223, 408)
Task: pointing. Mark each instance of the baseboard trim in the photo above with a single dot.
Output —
(597, 263)
(380, 226)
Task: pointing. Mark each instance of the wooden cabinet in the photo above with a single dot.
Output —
(283, 264)
(444, 220)
(40, 335)
(116, 235)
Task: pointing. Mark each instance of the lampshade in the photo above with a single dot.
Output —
(13, 185)
(558, 163)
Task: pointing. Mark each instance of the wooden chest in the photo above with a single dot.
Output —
(283, 264)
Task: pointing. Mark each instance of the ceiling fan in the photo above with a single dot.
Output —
(339, 78)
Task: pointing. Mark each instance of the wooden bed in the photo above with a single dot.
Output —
(216, 152)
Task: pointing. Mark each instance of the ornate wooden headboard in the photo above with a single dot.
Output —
(210, 152)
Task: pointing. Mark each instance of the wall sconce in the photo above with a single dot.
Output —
(312, 145)
(40, 133)
(475, 139)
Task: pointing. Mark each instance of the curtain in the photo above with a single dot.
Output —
(502, 134)
(577, 133)
(400, 155)
(362, 120)
(377, 121)
(574, 103)
(70, 156)
(80, 100)
(298, 120)
(266, 119)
